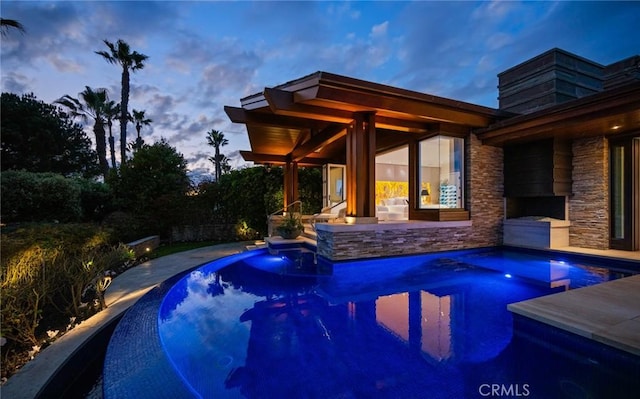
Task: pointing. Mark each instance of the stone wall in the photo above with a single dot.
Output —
(484, 190)
(589, 204)
(144, 245)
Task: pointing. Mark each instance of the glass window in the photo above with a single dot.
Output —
(440, 178)
(392, 184)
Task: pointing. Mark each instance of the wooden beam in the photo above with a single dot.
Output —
(325, 137)
(281, 102)
(241, 115)
(405, 106)
(264, 159)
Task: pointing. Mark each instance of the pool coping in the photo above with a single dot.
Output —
(608, 312)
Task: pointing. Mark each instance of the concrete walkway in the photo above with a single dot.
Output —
(125, 290)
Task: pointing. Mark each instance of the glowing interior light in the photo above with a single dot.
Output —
(507, 275)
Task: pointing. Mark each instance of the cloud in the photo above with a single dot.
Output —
(14, 82)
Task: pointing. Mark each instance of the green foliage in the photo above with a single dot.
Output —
(38, 137)
(310, 190)
(153, 185)
(45, 269)
(34, 197)
(247, 196)
(128, 226)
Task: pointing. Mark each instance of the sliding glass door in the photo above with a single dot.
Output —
(624, 193)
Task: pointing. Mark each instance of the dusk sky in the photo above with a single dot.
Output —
(204, 55)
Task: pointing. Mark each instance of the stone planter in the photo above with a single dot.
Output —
(289, 234)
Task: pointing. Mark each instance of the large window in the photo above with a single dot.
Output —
(440, 177)
(392, 184)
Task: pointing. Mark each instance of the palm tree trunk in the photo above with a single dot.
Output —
(124, 114)
(101, 146)
(112, 144)
(218, 174)
(112, 147)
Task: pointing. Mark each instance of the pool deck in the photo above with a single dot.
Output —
(608, 312)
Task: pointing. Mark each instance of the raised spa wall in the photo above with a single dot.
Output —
(337, 241)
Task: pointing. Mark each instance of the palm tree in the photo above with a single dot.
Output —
(120, 53)
(225, 166)
(92, 106)
(5, 24)
(139, 119)
(111, 112)
(216, 140)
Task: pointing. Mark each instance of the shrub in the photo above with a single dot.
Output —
(45, 269)
(46, 197)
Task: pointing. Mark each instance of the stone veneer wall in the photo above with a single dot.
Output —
(589, 204)
(485, 203)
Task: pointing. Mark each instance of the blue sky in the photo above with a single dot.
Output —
(204, 55)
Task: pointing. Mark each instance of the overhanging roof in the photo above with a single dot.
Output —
(608, 113)
(306, 119)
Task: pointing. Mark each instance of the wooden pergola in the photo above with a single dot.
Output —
(326, 118)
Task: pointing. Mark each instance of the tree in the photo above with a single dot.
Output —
(111, 112)
(39, 137)
(216, 139)
(139, 119)
(225, 166)
(92, 106)
(5, 24)
(152, 184)
(120, 54)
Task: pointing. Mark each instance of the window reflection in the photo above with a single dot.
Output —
(393, 312)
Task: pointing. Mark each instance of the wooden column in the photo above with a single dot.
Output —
(291, 185)
(361, 163)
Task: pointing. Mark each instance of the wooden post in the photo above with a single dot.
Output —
(361, 162)
(291, 185)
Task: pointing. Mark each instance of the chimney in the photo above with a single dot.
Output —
(622, 72)
(551, 78)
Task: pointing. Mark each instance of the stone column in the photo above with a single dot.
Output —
(589, 204)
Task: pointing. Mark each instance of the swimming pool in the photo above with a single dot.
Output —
(259, 325)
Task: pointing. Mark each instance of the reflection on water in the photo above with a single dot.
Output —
(433, 313)
(417, 327)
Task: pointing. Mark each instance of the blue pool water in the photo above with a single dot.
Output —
(428, 326)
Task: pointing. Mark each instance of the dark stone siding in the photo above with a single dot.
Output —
(589, 204)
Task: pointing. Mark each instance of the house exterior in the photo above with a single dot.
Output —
(557, 164)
